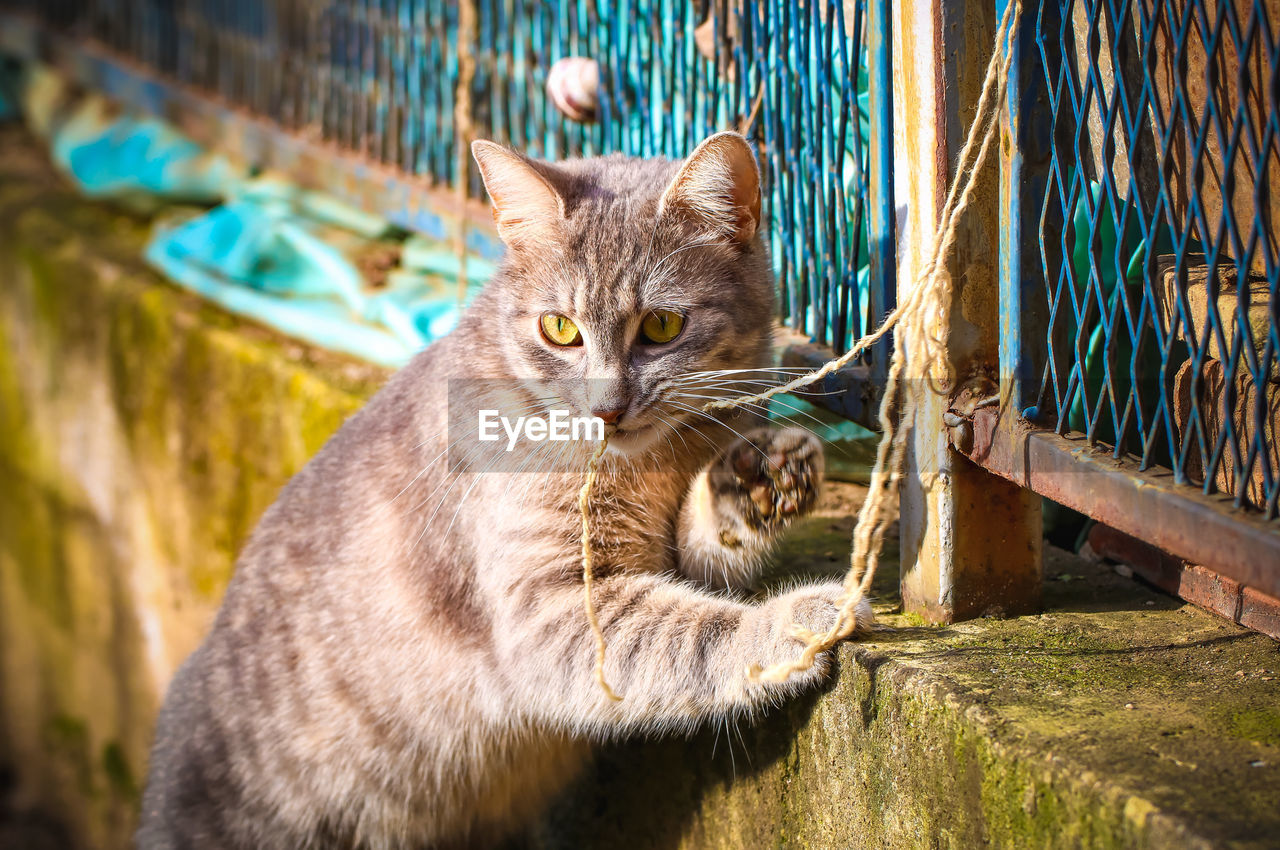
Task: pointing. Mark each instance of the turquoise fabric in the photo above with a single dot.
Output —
(258, 256)
(268, 250)
(113, 157)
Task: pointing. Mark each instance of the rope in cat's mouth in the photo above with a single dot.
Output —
(922, 321)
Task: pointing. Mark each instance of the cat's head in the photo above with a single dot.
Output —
(625, 278)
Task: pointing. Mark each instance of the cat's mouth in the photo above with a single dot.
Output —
(632, 440)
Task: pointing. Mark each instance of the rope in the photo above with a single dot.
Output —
(584, 504)
(923, 325)
(464, 132)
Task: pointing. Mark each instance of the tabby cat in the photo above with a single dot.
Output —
(402, 659)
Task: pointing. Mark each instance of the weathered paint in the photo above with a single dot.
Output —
(970, 541)
(883, 240)
(1148, 504)
(1025, 151)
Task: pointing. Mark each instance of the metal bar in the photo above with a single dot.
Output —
(1024, 174)
(970, 542)
(1149, 505)
(882, 244)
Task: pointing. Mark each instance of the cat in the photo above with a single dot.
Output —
(402, 657)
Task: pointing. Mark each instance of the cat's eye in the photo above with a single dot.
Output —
(560, 330)
(659, 326)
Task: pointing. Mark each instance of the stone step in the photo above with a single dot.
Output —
(1119, 717)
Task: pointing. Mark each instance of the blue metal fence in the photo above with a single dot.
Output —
(378, 78)
(1157, 238)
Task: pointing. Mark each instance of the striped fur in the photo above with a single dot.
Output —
(401, 659)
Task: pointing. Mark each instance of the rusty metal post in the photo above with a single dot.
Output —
(970, 541)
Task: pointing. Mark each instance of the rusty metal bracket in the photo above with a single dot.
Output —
(1148, 504)
(977, 393)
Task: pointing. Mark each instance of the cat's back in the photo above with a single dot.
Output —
(289, 704)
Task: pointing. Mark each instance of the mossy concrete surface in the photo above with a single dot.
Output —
(1119, 717)
(142, 433)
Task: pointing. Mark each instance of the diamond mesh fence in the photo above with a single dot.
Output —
(1158, 236)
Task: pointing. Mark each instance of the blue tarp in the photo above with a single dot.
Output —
(268, 250)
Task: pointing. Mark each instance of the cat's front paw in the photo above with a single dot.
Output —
(796, 617)
(776, 473)
(816, 608)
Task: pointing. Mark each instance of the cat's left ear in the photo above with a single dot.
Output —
(718, 189)
(525, 205)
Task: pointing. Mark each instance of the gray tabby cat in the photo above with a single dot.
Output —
(402, 659)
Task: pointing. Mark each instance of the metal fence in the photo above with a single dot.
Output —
(1139, 273)
(1139, 269)
(1158, 237)
(379, 79)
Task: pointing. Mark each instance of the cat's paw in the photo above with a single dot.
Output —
(775, 475)
(801, 614)
(815, 609)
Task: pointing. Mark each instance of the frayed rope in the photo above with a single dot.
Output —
(923, 322)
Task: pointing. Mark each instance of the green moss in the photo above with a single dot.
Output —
(30, 522)
(67, 738)
(119, 775)
(142, 434)
(1260, 724)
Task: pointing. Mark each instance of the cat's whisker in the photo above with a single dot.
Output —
(738, 730)
(747, 370)
(673, 425)
(692, 428)
(765, 408)
(450, 477)
(719, 382)
(781, 371)
(667, 437)
(447, 472)
(526, 409)
(733, 380)
(708, 416)
(543, 449)
(465, 494)
(448, 425)
(427, 466)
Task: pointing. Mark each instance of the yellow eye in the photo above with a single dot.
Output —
(560, 330)
(661, 326)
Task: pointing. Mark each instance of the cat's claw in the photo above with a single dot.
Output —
(779, 473)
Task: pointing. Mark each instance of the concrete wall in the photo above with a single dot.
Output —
(142, 433)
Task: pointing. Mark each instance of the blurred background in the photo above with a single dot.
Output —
(223, 223)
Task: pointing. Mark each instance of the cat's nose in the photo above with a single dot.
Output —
(610, 416)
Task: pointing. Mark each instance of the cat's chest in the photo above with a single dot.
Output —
(634, 520)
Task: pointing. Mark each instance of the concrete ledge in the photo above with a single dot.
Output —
(142, 433)
(1117, 718)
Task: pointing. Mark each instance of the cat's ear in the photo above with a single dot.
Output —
(525, 205)
(718, 189)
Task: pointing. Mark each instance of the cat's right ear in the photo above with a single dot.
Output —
(525, 205)
(717, 189)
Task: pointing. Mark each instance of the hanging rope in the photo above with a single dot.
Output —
(923, 323)
(464, 133)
